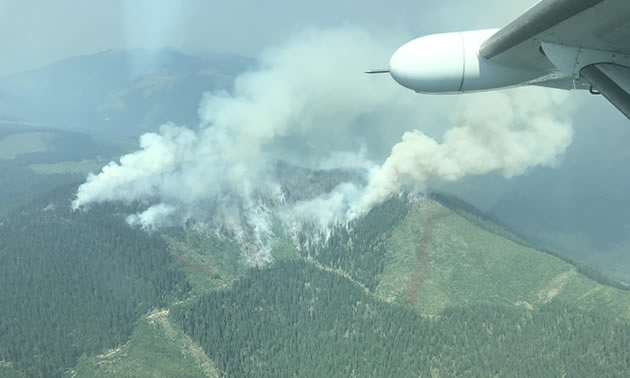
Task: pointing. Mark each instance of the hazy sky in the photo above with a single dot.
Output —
(35, 32)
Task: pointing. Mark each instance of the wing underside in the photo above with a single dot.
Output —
(594, 25)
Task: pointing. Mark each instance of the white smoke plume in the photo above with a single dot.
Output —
(509, 131)
(310, 105)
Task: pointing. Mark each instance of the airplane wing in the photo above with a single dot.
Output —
(588, 40)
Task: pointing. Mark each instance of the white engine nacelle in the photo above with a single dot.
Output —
(450, 63)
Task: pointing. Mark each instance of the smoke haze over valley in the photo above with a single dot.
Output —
(301, 107)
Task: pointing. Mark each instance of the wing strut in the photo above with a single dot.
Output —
(612, 81)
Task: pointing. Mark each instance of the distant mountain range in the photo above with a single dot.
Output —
(118, 91)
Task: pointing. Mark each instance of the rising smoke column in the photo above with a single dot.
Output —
(221, 172)
(508, 131)
(308, 104)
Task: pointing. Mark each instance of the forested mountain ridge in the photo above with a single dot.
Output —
(412, 288)
(372, 317)
(294, 319)
(419, 253)
(74, 283)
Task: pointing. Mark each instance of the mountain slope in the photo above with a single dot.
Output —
(419, 253)
(413, 288)
(36, 160)
(294, 319)
(74, 283)
(436, 258)
(156, 348)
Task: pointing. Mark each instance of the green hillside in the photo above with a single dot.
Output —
(405, 255)
(422, 254)
(295, 319)
(436, 258)
(156, 348)
(75, 283)
(413, 288)
(34, 161)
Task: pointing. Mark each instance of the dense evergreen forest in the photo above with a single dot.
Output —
(359, 248)
(294, 319)
(74, 282)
